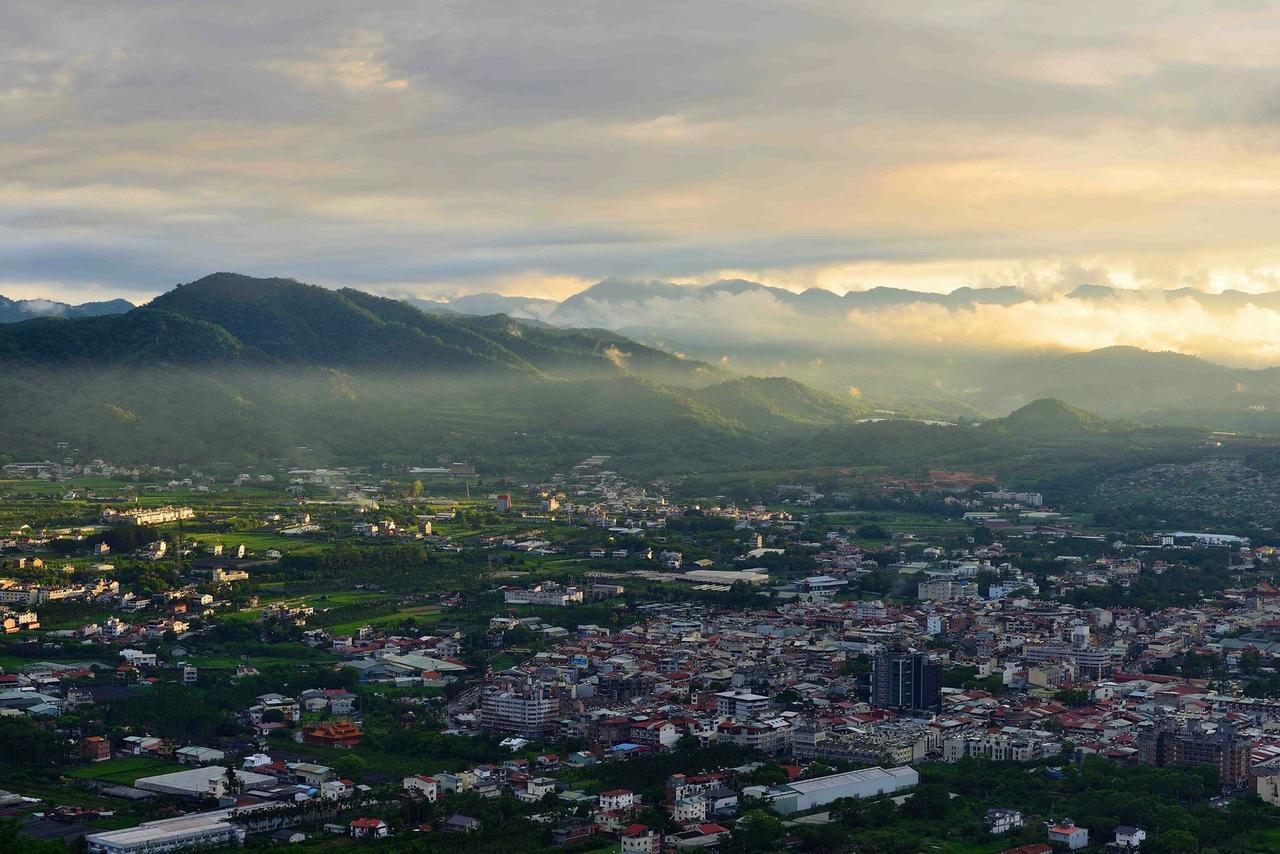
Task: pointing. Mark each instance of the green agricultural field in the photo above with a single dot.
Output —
(125, 770)
(423, 615)
(54, 793)
(257, 542)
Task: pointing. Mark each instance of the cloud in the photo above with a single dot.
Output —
(619, 359)
(815, 143)
(813, 332)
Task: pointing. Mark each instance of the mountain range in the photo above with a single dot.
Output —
(757, 329)
(722, 330)
(16, 311)
(601, 303)
(238, 369)
(231, 366)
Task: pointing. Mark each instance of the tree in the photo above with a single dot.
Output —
(1072, 696)
(758, 831)
(234, 784)
(1178, 842)
(929, 800)
(872, 531)
(350, 767)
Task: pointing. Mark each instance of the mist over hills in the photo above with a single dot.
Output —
(601, 303)
(864, 349)
(16, 311)
(233, 368)
(973, 352)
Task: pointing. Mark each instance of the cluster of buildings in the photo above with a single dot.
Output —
(147, 515)
(862, 682)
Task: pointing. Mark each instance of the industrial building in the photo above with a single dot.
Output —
(804, 795)
(199, 830)
(209, 782)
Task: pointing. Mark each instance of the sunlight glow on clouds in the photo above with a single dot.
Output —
(536, 148)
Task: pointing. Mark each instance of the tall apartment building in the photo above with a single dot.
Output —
(1167, 743)
(531, 712)
(906, 680)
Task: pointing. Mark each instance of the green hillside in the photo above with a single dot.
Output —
(236, 368)
(1049, 417)
(773, 404)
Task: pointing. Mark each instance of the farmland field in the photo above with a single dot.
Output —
(125, 770)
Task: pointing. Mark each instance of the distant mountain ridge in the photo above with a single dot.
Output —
(16, 311)
(598, 304)
(619, 327)
(231, 365)
(234, 319)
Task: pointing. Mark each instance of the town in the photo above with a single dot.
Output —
(425, 657)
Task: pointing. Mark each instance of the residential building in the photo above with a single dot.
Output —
(907, 681)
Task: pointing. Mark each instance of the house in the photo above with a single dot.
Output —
(1069, 835)
(573, 833)
(369, 828)
(689, 809)
(198, 756)
(288, 708)
(458, 823)
(336, 790)
(539, 787)
(140, 744)
(423, 786)
(1129, 837)
(308, 773)
(95, 748)
(617, 799)
(462, 781)
(1004, 820)
(288, 836)
(640, 839)
(699, 836)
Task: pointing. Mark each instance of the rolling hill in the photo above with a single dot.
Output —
(234, 367)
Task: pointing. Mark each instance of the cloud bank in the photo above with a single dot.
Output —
(535, 148)
(1231, 328)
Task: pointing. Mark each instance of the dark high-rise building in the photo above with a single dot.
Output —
(1165, 742)
(906, 680)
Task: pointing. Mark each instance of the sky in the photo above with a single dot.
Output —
(534, 148)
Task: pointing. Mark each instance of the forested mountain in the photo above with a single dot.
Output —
(16, 311)
(235, 368)
(232, 366)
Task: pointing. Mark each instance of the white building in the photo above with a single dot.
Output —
(617, 799)
(741, 705)
(1130, 837)
(804, 795)
(203, 830)
(1069, 835)
(208, 782)
(423, 785)
(1004, 820)
(547, 593)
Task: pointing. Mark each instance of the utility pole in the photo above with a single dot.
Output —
(178, 550)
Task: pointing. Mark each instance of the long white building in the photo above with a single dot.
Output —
(804, 795)
(199, 830)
